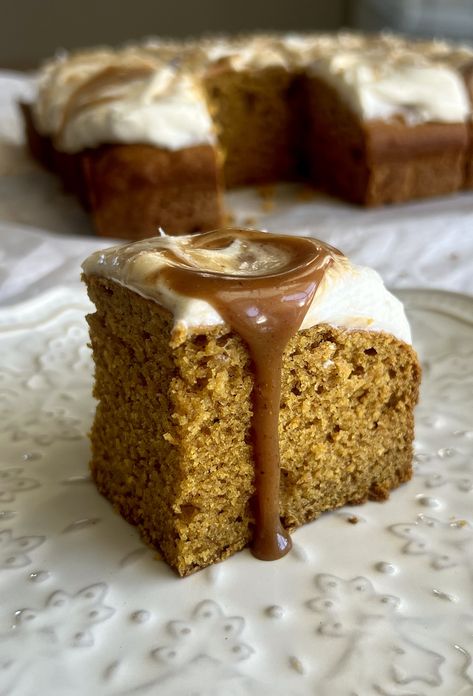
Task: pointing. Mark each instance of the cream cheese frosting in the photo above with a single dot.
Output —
(349, 296)
(59, 79)
(154, 92)
(388, 78)
(131, 98)
(165, 108)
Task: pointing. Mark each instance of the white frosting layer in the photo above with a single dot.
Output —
(130, 97)
(250, 53)
(165, 105)
(58, 81)
(355, 298)
(165, 109)
(457, 56)
(349, 296)
(383, 80)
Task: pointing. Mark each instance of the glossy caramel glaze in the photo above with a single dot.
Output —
(266, 310)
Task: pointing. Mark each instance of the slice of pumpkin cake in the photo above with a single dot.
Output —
(246, 382)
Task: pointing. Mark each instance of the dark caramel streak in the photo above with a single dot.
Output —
(266, 311)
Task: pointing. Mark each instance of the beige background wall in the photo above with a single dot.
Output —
(31, 30)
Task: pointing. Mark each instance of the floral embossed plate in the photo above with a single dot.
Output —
(375, 600)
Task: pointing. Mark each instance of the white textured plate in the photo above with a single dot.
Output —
(383, 607)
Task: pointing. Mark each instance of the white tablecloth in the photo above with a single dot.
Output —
(44, 234)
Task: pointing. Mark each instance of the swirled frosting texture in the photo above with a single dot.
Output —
(386, 77)
(348, 296)
(130, 97)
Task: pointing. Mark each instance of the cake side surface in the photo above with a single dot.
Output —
(258, 119)
(346, 419)
(374, 162)
(40, 146)
(132, 414)
(170, 443)
(136, 189)
(69, 167)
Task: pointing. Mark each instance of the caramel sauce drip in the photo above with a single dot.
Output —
(266, 310)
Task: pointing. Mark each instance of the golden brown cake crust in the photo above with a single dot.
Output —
(135, 189)
(171, 441)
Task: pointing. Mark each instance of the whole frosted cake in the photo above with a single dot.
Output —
(148, 135)
(246, 382)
